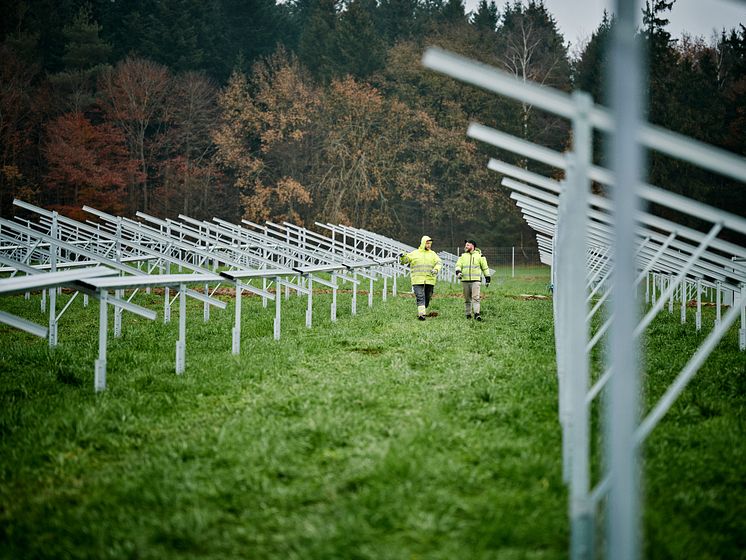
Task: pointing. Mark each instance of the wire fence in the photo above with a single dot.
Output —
(509, 262)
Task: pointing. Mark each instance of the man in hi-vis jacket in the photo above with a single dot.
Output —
(469, 269)
(424, 265)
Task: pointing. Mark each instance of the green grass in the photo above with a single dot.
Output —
(377, 436)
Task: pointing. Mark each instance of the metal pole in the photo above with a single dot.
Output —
(668, 281)
(309, 310)
(334, 298)
(206, 309)
(236, 342)
(181, 343)
(118, 293)
(623, 516)
(354, 294)
(512, 266)
(576, 200)
(99, 383)
(53, 291)
(167, 305)
(742, 330)
(278, 299)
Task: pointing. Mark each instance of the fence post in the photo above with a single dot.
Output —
(513, 263)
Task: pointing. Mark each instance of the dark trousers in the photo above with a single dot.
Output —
(423, 293)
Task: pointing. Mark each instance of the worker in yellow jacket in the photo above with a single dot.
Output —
(470, 267)
(424, 265)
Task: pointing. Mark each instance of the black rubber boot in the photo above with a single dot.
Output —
(477, 316)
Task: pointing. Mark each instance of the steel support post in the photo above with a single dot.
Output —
(264, 288)
(119, 294)
(512, 263)
(742, 330)
(370, 293)
(698, 316)
(718, 288)
(561, 333)
(181, 343)
(393, 287)
(53, 291)
(354, 294)
(626, 80)
(99, 380)
(167, 305)
(309, 310)
(236, 333)
(385, 287)
(683, 301)
(334, 298)
(670, 299)
(578, 189)
(206, 309)
(278, 298)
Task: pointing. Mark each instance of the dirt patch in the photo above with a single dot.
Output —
(693, 303)
(368, 351)
(526, 297)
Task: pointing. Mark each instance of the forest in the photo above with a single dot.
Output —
(319, 110)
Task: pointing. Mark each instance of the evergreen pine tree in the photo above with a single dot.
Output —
(360, 46)
(486, 16)
(453, 12)
(397, 19)
(85, 55)
(317, 47)
(84, 48)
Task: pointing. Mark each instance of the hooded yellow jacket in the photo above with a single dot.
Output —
(424, 264)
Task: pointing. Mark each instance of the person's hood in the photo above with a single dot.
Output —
(422, 241)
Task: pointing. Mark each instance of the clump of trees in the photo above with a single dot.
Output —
(319, 109)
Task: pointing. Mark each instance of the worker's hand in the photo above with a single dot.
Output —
(434, 272)
(458, 274)
(487, 280)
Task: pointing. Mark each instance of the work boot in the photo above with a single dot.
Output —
(421, 317)
(477, 316)
(468, 315)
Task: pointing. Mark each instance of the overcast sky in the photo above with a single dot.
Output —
(578, 19)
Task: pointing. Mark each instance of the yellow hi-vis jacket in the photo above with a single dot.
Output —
(472, 266)
(424, 264)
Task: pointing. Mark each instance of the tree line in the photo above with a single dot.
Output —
(320, 110)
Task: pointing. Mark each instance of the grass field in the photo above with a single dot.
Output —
(377, 436)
